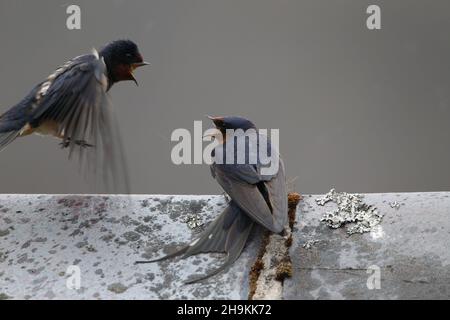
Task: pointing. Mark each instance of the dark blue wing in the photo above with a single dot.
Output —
(75, 98)
(262, 197)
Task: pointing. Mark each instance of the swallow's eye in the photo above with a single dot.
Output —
(129, 55)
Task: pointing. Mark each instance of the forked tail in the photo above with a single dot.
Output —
(228, 233)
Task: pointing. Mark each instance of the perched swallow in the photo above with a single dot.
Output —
(72, 104)
(255, 198)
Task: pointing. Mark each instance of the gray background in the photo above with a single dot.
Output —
(364, 111)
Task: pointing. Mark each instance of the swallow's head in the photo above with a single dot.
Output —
(122, 57)
(233, 123)
(223, 124)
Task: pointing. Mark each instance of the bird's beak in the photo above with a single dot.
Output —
(136, 65)
(140, 64)
(218, 121)
(134, 79)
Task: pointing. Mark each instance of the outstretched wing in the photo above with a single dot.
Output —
(75, 99)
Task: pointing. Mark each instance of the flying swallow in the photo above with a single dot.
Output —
(72, 104)
(255, 197)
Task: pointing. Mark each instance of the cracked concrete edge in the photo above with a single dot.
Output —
(267, 285)
(275, 262)
(40, 235)
(409, 248)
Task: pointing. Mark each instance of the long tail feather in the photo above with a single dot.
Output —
(172, 255)
(228, 234)
(236, 238)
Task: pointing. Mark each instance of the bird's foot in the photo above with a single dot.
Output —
(65, 143)
(83, 144)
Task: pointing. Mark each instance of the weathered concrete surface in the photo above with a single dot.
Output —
(411, 247)
(41, 236)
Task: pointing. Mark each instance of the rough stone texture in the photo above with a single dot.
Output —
(410, 246)
(41, 236)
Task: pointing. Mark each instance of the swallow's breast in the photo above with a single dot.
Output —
(46, 128)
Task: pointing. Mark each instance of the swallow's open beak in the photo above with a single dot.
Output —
(136, 65)
(134, 79)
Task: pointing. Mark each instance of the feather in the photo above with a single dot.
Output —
(77, 100)
(228, 234)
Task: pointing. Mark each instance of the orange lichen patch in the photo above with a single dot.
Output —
(284, 269)
(255, 271)
(288, 242)
(293, 200)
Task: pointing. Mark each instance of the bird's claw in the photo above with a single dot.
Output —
(64, 144)
(81, 143)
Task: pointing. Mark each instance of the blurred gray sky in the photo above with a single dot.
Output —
(364, 111)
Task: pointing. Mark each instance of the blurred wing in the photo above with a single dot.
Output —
(75, 98)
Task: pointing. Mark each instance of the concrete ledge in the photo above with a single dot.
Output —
(42, 236)
(410, 249)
